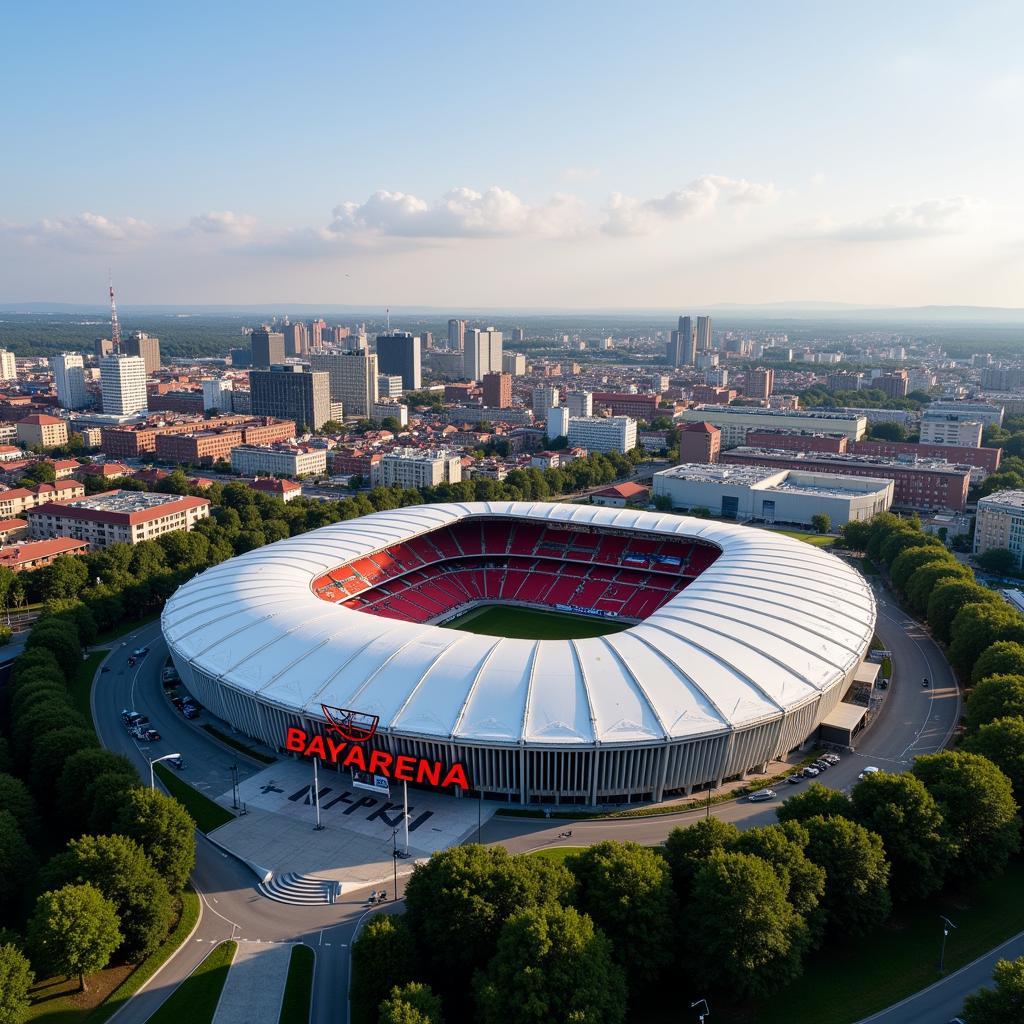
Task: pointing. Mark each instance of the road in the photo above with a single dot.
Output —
(914, 721)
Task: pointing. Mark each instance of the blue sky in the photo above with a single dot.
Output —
(535, 154)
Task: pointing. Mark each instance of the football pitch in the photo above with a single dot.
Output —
(528, 624)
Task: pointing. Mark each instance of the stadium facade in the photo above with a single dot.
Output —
(742, 642)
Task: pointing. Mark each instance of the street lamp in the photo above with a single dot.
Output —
(394, 860)
(947, 927)
(157, 760)
(706, 1012)
(234, 785)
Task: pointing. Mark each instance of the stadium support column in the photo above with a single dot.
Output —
(659, 793)
(522, 772)
(595, 770)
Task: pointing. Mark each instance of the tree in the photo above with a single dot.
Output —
(78, 779)
(978, 626)
(888, 431)
(164, 829)
(17, 867)
(995, 697)
(813, 801)
(39, 721)
(924, 580)
(457, 902)
(551, 964)
(16, 979)
(905, 539)
(822, 522)
(17, 800)
(1003, 658)
(50, 751)
(948, 598)
(73, 930)
(1002, 742)
(976, 800)
(65, 577)
(912, 558)
(383, 957)
(626, 889)
(41, 472)
(744, 934)
(906, 816)
(61, 641)
(121, 871)
(998, 560)
(1002, 1004)
(856, 873)
(412, 1003)
(687, 849)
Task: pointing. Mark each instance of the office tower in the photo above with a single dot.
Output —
(483, 350)
(267, 347)
(399, 353)
(518, 334)
(68, 372)
(289, 392)
(389, 385)
(217, 395)
(103, 347)
(580, 403)
(682, 345)
(123, 384)
(352, 379)
(703, 334)
(456, 335)
(240, 358)
(147, 348)
(340, 334)
(8, 369)
(544, 400)
(497, 390)
(514, 363)
(428, 340)
(316, 335)
(295, 339)
(759, 383)
(355, 343)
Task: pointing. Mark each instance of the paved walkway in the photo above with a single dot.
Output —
(254, 987)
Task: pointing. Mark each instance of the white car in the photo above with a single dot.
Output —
(870, 770)
(811, 773)
(762, 794)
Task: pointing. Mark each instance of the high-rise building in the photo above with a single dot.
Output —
(699, 442)
(416, 467)
(147, 348)
(399, 353)
(514, 363)
(296, 341)
(68, 371)
(544, 400)
(518, 334)
(316, 335)
(497, 390)
(8, 368)
(759, 383)
(682, 345)
(353, 379)
(427, 337)
(580, 403)
(289, 392)
(389, 385)
(267, 347)
(103, 347)
(895, 384)
(217, 395)
(456, 335)
(595, 433)
(123, 384)
(483, 351)
(703, 334)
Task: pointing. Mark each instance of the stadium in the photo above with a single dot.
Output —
(691, 651)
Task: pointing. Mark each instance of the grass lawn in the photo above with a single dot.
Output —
(556, 854)
(109, 635)
(238, 745)
(81, 686)
(205, 813)
(298, 990)
(528, 624)
(819, 540)
(195, 999)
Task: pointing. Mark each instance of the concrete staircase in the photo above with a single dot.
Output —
(298, 890)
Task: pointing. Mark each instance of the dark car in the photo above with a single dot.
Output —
(152, 735)
(131, 662)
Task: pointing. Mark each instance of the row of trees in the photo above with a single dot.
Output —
(112, 890)
(498, 938)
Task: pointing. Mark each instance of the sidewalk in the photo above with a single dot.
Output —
(254, 988)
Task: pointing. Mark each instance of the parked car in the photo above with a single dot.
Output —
(151, 735)
(761, 795)
(831, 758)
(822, 766)
(176, 762)
(811, 773)
(794, 779)
(190, 711)
(870, 770)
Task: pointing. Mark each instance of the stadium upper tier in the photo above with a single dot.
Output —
(747, 641)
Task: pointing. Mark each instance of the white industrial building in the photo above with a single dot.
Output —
(773, 496)
(735, 421)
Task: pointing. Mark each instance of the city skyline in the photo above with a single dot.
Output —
(799, 153)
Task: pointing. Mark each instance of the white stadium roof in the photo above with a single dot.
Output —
(770, 625)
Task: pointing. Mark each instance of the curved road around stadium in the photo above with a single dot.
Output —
(914, 721)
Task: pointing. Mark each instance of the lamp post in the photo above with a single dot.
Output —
(157, 760)
(947, 927)
(394, 861)
(234, 786)
(707, 806)
(705, 1012)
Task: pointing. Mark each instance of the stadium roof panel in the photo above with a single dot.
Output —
(768, 626)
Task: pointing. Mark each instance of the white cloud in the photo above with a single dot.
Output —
(85, 231)
(627, 216)
(221, 222)
(901, 223)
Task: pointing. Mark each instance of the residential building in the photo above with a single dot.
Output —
(288, 391)
(91, 436)
(456, 335)
(621, 495)
(514, 363)
(580, 403)
(352, 378)
(707, 394)
(18, 500)
(390, 410)
(278, 460)
(595, 433)
(699, 442)
(12, 529)
(389, 385)
(944, 428)
(703, 334)
(42, 431)
(982, 460)
(497, 390)
(399, 353)
(895, 384)
(267, 347)
(735, 421)
(1002, 378)
(123, 384)
(147, 348)
(416, 467)
(353, 461)
(774, 495)
(1000, 524)
(923, 484)
(217, 395)
(682, 344)
(102, 348)
(759, 383)
(623, 403)
(544, 400)
(286, 490)
(988, 413)
(8, 367)
(483, 352)
(24, 556)
(68, 371)
(478, 414)
(116, 517)
(801, 441)
(296, 340)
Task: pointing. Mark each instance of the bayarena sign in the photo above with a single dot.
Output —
(347, 732)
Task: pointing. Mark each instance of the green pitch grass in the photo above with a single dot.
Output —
(527, 624)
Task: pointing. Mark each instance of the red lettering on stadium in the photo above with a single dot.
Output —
(350, 755)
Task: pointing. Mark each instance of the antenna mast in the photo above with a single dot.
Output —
(115, 326)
